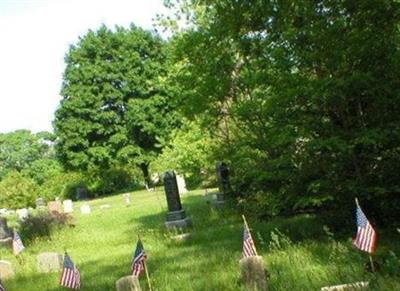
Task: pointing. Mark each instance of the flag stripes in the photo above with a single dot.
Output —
(138, 259)
(249, 248)
(2, 286)
(17, 244)
(70, 276)
(366, 236)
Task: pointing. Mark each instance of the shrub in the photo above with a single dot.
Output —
(42, 225)
(62, 185)
(17, 191)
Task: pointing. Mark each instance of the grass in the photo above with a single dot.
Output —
(300, 254)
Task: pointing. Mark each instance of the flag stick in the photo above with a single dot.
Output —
(247, 226)
(372, 264)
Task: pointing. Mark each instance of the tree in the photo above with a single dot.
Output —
(20, 148)
(114, 109)
(311, 92)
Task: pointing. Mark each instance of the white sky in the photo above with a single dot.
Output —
(34, 37)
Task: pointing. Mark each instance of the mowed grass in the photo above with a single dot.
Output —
(300, 254)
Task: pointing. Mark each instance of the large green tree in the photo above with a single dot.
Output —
(310, 93)
(114, 109)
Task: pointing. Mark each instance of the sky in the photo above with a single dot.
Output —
(35, 36)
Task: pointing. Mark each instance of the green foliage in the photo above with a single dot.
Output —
(305, 94)
(17, 191)
(42, 170)
(114, 110)
(42, 224)
(62, 185)
(20, 148)
(190, 152)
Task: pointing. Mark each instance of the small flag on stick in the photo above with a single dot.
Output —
(138, 261)
(2, 286)
(17, 244)
(70, 276)
(249, 248)
(366, 237)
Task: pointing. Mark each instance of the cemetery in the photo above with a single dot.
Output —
(200, 145)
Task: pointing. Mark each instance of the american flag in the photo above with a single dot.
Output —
(2, 286)
(138, 259)
(17, 244)
(366, 236)
(249, 249)
(70, 276)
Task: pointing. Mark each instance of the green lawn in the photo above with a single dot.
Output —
(298, 252)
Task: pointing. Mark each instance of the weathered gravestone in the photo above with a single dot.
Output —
(252, 270)
(6, 270)
(68, 206)
(85, 209)
(40, 203)
(176, 216)
(81, 193)
(224, 186)
(49, 262)
(5, 233)
(128, 283)
(22, 213)
(363, 285)
(55, 207)
(180, 180)
(127, 198)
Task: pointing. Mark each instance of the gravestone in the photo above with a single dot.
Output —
(253, 275)
(40, 203)
(49, 262)
(347, 287)
(5, 233)
(105, 206)
(55, 207)
(22, 213)
(224, 186)
(176, 216)
(6, 270)
(81, 193)
(127, 198)
(68, 206)
(85, 209)
(128, 283)
(180, 180)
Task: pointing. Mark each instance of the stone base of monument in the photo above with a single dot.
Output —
(177, 219)
(253, 273)
(6, 242)
(128, 283)
(347, 287)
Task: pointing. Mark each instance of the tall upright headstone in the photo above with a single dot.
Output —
(176, 216)
(224, 186)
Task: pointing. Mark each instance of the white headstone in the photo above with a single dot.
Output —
(85, 209)
(105, 206)
(22, 213)
(180, 180)
(68, 206)
(49, 261)
(127, 198)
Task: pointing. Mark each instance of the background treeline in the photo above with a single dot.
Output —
(301, 98)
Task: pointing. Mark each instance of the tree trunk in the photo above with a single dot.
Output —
(145, 169)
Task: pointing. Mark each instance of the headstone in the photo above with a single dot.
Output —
(5, 233)
(182, 237)
(128, 283)
(49, 262)
(176, 216)
(180, 180)
(6, 270)
(105, 206)
(68, 206)
(40, 203)
(55, 207)
(347, 287)
(85, 209)
(3, 211)
(224, 186)
(22, 213)
(127, 198)
(81, 193)
(253, 273)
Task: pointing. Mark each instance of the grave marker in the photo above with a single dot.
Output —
(6, 270)
(68, 206)
(49, 262)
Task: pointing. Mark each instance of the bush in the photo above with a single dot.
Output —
(17, 191)
(42, 225)
(62, 185)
